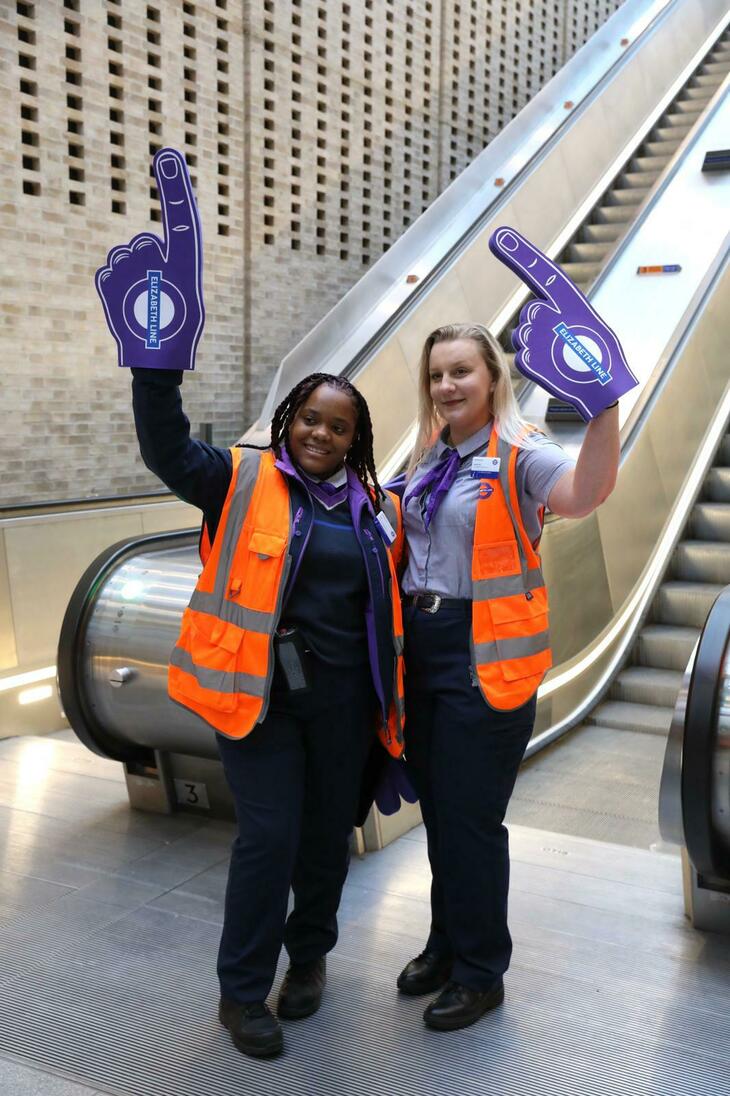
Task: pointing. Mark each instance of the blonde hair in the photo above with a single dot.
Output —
(512, 427)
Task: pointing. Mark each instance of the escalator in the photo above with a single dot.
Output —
(602, 781)
(590, 248)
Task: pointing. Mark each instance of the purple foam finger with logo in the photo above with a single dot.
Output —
(151, 288)
(561, 342)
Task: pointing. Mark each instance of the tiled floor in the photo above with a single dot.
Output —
(109, 921)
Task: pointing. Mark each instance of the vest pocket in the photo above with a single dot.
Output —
(207, 653)
(521, 638)
(266, 544)
(495, 560)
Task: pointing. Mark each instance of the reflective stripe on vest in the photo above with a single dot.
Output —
(222, 664)
(510, 637)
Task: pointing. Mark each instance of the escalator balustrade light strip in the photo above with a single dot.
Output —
(665, 268)
(717, 161)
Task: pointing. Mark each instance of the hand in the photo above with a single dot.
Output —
(393, 785)
(561, 342)
(152, 289)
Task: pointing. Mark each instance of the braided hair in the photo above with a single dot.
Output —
(360, 456)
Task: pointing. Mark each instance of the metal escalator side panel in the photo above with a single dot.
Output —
(76, 655)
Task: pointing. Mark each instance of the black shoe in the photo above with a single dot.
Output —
(254, 1030)
(302, 989)
(424, 974)
(458, 1006)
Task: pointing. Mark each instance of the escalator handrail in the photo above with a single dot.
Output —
(708, 855)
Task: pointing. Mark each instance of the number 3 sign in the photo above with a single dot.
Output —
(561, 342)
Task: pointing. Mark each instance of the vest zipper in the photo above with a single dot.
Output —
(296, 532)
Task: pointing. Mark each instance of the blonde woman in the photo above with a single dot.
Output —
(476, 642)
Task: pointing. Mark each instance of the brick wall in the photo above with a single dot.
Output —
(315, 132)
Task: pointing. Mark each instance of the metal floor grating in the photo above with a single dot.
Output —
(596, 782)
(109, 923)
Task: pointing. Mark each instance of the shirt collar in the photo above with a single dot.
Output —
(338, 479)
(466, 448)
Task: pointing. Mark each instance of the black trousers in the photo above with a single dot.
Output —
(463, 757)
(295, 780)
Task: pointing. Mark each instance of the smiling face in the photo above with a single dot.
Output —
(322, 432)
(461, 387)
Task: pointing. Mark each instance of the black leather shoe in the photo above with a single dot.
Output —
(302, 989)
(458, 1006)
(424, 974)
(254, 1030)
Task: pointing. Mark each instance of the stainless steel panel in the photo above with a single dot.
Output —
(133, 628)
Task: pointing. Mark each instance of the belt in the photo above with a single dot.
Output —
(431, 603)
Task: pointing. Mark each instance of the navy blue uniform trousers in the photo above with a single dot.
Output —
(463, 757)
(295, 781)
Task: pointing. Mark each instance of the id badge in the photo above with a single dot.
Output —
(486, 467)
(385, 529)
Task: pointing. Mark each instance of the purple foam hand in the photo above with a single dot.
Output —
(561, 341)
(152, 289)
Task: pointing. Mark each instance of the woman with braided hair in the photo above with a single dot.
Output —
(291, 650)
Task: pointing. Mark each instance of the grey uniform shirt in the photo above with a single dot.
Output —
(439, 558)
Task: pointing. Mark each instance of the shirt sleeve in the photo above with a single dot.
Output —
(196, 472)
(540, 467)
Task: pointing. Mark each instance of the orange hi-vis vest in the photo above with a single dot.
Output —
(510, 637)
(223, 662)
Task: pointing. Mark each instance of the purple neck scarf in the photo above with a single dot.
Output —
(437, 481)
(326, 493)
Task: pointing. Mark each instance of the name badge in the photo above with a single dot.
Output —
(386, 529)
(486, 467)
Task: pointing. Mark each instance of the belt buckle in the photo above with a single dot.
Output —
(435, 603)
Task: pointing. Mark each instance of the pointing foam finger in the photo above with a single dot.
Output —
(179, 212)
(543, 276)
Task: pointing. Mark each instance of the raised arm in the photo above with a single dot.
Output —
(586, 486)
(196, 472)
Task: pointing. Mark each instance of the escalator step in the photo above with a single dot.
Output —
(582, 273)
(711, 521)
(645, 179)
(605, 233)
(702, 561)
(671, 133)
(715, 68)
(647, 685)
(678, 123)
(665, 646)
(629, 196)
(685, 603)
(587, 253)
(614, 214)
(693, 101)
(639, 718)
(666, 147)
(711, 80)
(717, 485)
(655, 164)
